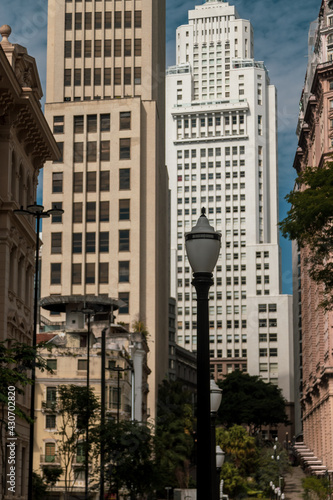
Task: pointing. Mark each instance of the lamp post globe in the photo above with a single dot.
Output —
(202, 247)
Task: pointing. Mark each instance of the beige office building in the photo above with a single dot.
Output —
(105, 103)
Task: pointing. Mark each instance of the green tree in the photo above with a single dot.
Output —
(174, 434)
(128, 454)
(320, 487)
(271, 469)
(309, 221)
(249, 400)
(239, 447)
(77, 408)
(234, 484)
(16, 362)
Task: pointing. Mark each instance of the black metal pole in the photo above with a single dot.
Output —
(88, 415)
(206, 469)
(33, 371)
(118, 395)
(101, 494)
(215, 494)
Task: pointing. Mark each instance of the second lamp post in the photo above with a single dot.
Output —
(203, 248)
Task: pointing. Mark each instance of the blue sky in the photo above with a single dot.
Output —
(280, 40)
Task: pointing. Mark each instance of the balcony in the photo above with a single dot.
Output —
(49, 459)
(50, 406)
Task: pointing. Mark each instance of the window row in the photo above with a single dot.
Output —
(100, 48)
(91, 186)
(263, 337)
(264, 352)
(203, 122)
(90, 242)
(234, 150)
(90, 151)
(271, 322)
(236, 353)
(88, 77)
(97, 21)
(90, 123)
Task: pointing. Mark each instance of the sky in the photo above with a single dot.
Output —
(280, 40)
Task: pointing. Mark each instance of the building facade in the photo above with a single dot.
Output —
(315, 147)
(222, 154)
(105, 102)
(26, 143)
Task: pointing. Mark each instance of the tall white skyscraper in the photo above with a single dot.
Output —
(222, 155)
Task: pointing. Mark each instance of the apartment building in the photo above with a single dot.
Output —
(221, 152)
(105, 103)
(313, 329)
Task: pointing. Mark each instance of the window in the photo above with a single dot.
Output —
(78, 20)
(273, 322)
(262, 352)
(137, 76)
(125, 149)
(77, 211)
(272, 307)
(105, 150)
(77, 48)
(87, 21)
(52, 364)
(97, 76)
(124, 209)
(58, 124)
(124, 296)
(77, 243)
(117, 76)
(56, 274)
(50, 422)
(262, 308)
(108, 20)
(117, 19)
(68, 49)
(125, 120)
(117, 48)
(91, 211)
(56, 240)
(128, 19)
(104, 180)
(90, 242)
(262, 323)
(124, 240)
(82, 364)
(76, 274)
(78, 152)
(98, 48)
(127, 76)
(103, 272)
(104, 241)
(124, 271)
(92, 123)
(124, 178)
(56, 218)
(78, 125)
(90, 273)
(137, 18)
(107, 48)
(68, 21)
(104, 211)
(91, 182)
(137, 47)
(67, 77)
(87, 48)
(98, 20)
(273, 352)
(127, 47)
(57, 178)
(105, 122)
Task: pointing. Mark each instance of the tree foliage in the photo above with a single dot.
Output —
(174, 434)
(77, 408)
(16, 362)
(270, 468)
(315, 487)
(309, 221)
(249, 400)
(239, 447)
(128, 454)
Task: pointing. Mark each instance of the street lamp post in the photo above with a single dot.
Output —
(215, 401)
(203, 247)
(219, 462)
(38, 212)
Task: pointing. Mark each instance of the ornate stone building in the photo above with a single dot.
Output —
(26, 142)
(314, 326)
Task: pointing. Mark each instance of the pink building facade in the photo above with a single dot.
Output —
(315, 148)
